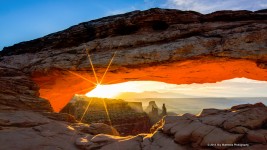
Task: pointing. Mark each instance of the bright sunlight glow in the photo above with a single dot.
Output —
(104, 91)
(237, 87)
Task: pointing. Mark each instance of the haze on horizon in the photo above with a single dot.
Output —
(29, 19)
(237, 87)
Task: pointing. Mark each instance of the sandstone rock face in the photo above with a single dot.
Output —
(250, 117)
(258, 136)
(194, 132)
(98, 128)
(34, 130)
(169, 45)
(19, 92)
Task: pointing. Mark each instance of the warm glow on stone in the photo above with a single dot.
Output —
(59, 86)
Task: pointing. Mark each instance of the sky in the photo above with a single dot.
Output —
(23, 20)
(237, 87)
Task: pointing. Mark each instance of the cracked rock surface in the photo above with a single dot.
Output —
(196, 132)
(33, 130)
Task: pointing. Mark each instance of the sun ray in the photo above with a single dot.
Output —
(91, 63)
(86, 110)
(106, 109)
(81, 77)
(99, 83)
(108, 116)
(86, 89)
(110, 62)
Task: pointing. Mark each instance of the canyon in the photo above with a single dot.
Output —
(39, 77)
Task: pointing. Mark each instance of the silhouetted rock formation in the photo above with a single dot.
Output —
(127, 117)
(164, 111)
(154, 113)
(151, 105)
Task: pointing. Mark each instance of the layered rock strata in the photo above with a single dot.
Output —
(19, 92)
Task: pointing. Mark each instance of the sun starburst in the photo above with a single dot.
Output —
(97, 85)
(110, 62)
(91, 63)
(86, 109)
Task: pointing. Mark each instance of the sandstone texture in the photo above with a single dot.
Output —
(31, 130)
(19, 92)
(158, 44)
(25, 129)
(187, 131)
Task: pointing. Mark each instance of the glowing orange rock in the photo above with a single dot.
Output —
(59, 86)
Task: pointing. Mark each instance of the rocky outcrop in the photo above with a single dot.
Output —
(34, 130)
(236, 128)
(241, 127)
(158, 44)
(115, 112)
(19, 92)
(151, 105)
(28, 121)
(153, 21)
(154, 113)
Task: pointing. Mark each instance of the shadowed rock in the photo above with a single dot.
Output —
(19, 92)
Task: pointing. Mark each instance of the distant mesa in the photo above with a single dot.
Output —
(155, 114)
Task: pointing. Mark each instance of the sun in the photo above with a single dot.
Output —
(104, 91)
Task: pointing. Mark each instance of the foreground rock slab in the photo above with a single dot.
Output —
(196, 132)
(34, 130)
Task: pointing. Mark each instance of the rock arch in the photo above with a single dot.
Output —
(192, 48)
